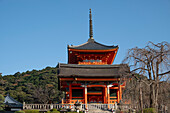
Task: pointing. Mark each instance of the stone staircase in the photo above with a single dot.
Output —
(93, 108)
(98, 111)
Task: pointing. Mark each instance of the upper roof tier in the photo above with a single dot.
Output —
(91, 44)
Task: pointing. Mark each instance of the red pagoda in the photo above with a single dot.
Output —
(89, 76)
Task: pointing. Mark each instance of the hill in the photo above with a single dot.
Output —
(36, 86)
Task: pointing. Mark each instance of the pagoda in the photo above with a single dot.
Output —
(89, 76)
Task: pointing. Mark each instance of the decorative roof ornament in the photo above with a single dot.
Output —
(91, 44)
(91, 26)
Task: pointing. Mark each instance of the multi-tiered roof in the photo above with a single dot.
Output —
(90, 59)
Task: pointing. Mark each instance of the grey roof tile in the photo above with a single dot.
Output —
(75, 70)
(92, 45)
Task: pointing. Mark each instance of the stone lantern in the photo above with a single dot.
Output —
(78, 106)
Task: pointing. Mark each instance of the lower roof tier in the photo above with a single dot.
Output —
(91, 71)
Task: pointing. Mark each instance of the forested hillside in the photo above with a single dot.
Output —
(36, 86)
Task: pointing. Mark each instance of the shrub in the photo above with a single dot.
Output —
(19, 112)
(31, 111)
(60, 108)
(54, 109)
(72, 112)
(149, 110)
(1, 111)
(55, 112)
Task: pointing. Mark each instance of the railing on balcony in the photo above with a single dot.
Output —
(92, 63)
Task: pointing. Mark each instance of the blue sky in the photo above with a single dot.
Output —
(34, 34)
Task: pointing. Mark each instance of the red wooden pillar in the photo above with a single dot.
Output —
(62, 101)
(85, 96)
(108, 96)
(70, 93)
(105, 95)
(120, 95)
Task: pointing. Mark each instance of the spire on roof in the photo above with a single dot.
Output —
(91, 26)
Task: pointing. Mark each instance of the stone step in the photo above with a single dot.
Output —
(98, 111)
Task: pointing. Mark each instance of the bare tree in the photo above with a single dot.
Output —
(46, 95)
(152, 61)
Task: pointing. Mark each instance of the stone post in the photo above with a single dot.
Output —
(23, 105)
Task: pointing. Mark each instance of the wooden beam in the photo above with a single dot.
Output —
(78, 50)
(78, 97)
(76, 84)
(114, 88)
(90, 79)
(77, 87)
(95, 85)
(94, 93)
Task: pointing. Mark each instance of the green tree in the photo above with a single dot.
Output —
(1, 102)
(24, 86)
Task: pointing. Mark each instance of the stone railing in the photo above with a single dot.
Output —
(46, 107)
